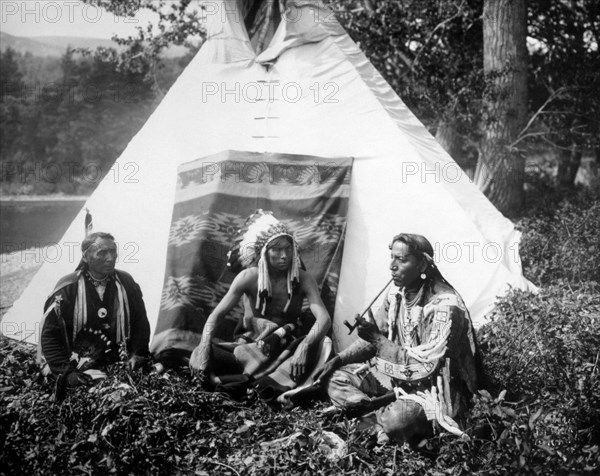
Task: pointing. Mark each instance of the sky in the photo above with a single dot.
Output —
(31, 18)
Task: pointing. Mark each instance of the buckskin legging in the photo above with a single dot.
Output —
(402, 420)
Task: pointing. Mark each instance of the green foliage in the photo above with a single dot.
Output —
(564, 71)
(179, 23)
(64, 135)
(11, 81)
(165, 424)
(560, 243)
(430, 52)
(540, 413)
(544, 350)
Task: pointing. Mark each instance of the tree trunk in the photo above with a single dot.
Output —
(501, 168)
(568, 165)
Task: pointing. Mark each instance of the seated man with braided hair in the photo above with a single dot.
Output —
(273, 349)
(90, 313)
(420, 348)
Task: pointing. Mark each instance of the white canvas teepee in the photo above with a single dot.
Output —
(311, 92)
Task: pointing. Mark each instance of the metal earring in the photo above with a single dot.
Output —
(423, 276)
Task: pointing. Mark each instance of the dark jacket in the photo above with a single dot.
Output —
(57, 332)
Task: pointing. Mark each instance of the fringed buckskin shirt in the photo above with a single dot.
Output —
(417, 343)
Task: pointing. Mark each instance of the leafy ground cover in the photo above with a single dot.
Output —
(539, 413)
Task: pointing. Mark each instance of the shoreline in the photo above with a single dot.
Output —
(43, 198)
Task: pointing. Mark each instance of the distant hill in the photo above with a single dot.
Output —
(51, 45)
(55, 46)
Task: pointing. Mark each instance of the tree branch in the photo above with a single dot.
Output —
(436, 28)
(553, 96)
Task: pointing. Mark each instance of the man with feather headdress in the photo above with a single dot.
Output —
(272, 348)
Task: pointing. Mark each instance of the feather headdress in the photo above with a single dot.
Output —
(250, 249)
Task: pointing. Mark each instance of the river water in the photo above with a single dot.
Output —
(35, 223)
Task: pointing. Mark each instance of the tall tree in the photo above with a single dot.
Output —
(431, 52)
(501, 167)
(564, 81)
(11, 91)
(11, 78)
(179, 23)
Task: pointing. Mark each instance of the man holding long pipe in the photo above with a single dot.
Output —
(415, 359)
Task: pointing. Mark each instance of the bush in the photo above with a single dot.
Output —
(560, 237)
(544, 350)
(540, 415)
(165, 424)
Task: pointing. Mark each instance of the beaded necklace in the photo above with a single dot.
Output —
(98, 282)
(410, 316)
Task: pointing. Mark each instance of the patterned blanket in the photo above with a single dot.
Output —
(214, 196)
(258, 356)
